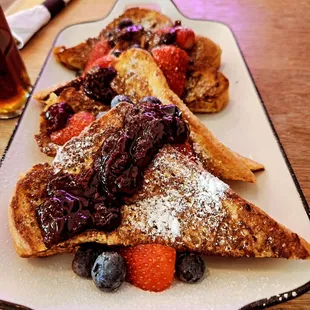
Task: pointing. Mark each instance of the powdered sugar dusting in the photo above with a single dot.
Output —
(74, 153)
(160, 216)
(188, 198)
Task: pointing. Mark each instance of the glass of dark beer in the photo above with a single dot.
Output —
(14, 81)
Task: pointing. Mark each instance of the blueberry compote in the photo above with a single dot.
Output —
(73, 206)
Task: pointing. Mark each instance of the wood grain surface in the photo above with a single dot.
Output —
(274, 38)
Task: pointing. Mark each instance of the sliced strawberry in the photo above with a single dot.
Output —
(73, 128)
(185, 37)
(103, 62)
(163, 30)
(150, 266)
(174, 63)
(101, 49)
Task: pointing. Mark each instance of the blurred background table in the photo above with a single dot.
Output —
(274, 38)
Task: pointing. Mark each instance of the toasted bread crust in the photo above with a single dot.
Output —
(206, 91)
(229, 226)
(75, 58)
(205, 53)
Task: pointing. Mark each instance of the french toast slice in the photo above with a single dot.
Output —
(136, 82)
(206, 91)
(204, 56)
(75, 57)
(179, 204)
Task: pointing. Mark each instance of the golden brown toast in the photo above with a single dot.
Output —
(179, 205)
(75, 58)
(204, 56)
(206, 91)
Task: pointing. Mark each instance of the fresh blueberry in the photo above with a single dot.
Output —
(150, 99)
(190, 267)
(109, 271)
(85, 258)
(119, 98)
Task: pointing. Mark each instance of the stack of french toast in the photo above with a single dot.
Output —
(134, 169)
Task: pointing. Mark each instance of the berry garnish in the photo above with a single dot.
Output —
(73, 128)
(131, 32)
(106, 218)
(116, 53)
(125, 23)
(190, 267)
(109, 271)
(185, 37)
(96, 84)
(150, 99)
(85, 258)
(57, 116)
(119, 98)
(173, 61)
(102, 62)
(150, 266)
(101, 49)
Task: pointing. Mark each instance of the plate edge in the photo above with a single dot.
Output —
(259, 304)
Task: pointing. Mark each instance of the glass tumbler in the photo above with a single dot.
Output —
(14, 81)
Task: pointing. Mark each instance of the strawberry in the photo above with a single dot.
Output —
(73, 127)
(150, 266)
(100, 49)
(103, 62)
(185, 37)
(174, 63)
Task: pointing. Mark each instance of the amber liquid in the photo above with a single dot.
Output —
(14, 80)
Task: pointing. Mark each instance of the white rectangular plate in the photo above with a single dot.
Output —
(231, 283)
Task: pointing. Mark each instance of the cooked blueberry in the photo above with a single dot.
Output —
(119, 98)
(178, 23)
(117, 53)
(106, 218)
(172, 110)
(169, 37)
(125, 23)
(96, 84)
(190, 267)
(57, 116)
(109, 271)
(131, 32)
(150, 99)
(61, 216)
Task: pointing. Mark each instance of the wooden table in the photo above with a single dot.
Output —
(274, 37)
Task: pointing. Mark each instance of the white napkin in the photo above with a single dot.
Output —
(26, 23)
